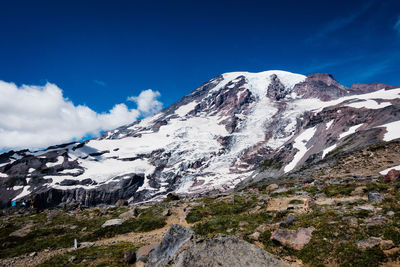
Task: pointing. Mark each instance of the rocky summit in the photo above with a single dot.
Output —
(237, 130)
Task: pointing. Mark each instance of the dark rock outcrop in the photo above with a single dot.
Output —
(322, 86)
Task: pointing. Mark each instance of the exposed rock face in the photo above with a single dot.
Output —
(179, 249)
(215, 138)
(362, 88)
(295, 239)
(225, 251)
(176, 237)
(322, 86)
(276, 89)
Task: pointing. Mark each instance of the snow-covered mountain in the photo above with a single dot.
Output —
(212, 139)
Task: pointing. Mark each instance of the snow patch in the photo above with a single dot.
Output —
(350, 131)
(329, 124)
(384, 172)
(327, 150)
(300, 143)
(392, 131)
(185, 109)
(25, 192)
(60, 160)
(369, 104)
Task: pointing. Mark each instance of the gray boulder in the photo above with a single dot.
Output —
(375, 197)
(176, 236)
(225, 251)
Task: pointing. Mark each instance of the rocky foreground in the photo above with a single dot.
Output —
(352, 221)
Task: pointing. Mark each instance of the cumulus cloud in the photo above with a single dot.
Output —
(397, 25)
(38, 116)
(147, 102)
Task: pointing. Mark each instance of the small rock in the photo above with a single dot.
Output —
(121, 202)
(289, 221)
(366, 207)
(72, 259)
(368, 243)
(112, 222)
(173, 196)
(84, 229)
(295, 239)
(255, 236)
(129, 256)
(352, 220)
(143, 252)
(386, 244)
(375, 197)
(358, 191)
(73, 227)
(390, 213)
(128, 214)
(308, 180)
(243, 223)
(281, 190)
(166, 212)
(86, 244)
(272, 187)
(33, 254)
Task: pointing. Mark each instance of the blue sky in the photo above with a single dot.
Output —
(102, 52)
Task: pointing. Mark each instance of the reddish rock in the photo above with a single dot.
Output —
(295, 239)
(392, 176)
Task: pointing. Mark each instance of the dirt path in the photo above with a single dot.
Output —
(27, 260)
(177, 217)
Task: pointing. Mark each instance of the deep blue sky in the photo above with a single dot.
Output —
(101, 52)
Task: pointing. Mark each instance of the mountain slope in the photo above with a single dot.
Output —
(212, 139)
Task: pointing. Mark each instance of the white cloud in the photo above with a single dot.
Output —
(147, 102)
(39, 116)
(397, 25)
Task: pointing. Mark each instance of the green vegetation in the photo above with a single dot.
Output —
(111, 255)
(237, 205)
(60, 231)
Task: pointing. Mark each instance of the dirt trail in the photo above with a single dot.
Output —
(177, 217)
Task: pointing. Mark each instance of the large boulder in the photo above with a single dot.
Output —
(392, 176)
(225, 251)
(295, 239)
(176, 236)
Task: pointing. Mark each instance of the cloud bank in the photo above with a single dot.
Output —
(39, 116)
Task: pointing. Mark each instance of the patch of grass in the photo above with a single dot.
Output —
(238, 205)
(107, 255)
(221, 223)
(349, 255)
(338, 190)
(271, 164)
